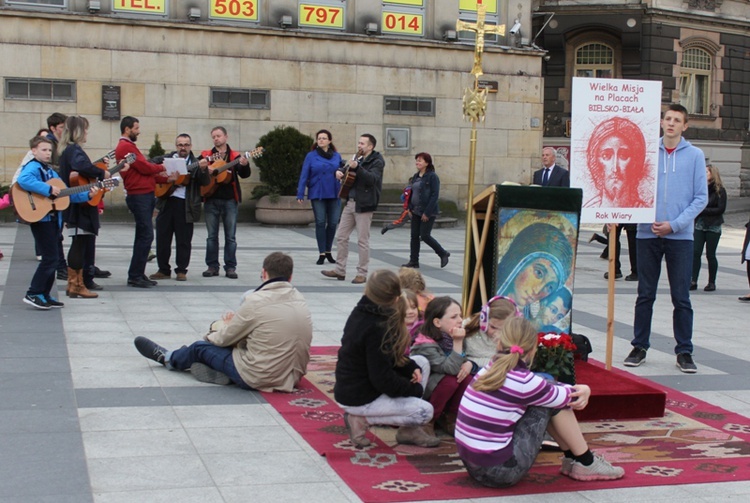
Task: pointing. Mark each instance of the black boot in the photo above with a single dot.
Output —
(321, 259)
(330, 258)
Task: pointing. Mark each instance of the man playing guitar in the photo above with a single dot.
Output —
(177, 212)
(222, 205)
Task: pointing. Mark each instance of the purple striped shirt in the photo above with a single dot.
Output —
(486, 420)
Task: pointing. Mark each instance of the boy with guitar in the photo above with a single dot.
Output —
(33, 178)
(222, 197)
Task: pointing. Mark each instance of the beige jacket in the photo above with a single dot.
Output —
(270, 334)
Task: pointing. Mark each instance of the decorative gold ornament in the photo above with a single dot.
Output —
(475, 104)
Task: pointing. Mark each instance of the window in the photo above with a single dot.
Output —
(40, 89)
(41, 3)
(695, 80)
(595, 61)
(400, 105)
(239, 98)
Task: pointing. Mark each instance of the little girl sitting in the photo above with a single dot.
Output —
(440, 340)
(505, 412)
(483, 327)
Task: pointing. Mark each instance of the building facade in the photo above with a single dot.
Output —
(698, 49)
(396, 69)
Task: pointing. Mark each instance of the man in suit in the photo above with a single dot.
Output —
(551, 175)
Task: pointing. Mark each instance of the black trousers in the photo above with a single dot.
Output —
(171, 221)
(630, 230)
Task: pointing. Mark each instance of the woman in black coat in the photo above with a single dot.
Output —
(423, 206)
(81, 220)
(708, 229)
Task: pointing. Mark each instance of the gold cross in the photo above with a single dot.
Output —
(481, 29)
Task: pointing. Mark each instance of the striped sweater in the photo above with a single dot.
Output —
(486, 420)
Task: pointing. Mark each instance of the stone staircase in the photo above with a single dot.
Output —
(388, 212)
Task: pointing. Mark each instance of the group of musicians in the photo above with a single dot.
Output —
(210, 179)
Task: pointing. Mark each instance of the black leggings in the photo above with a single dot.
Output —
(79, 248)
(711, 240)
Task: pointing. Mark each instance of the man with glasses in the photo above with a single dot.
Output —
(177, 213)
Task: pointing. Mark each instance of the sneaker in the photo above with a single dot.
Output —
(150, 349)
(631, 277)
(37, 301)
(685, 363)
(635, 358)
(151, 256)
(62, 274)
(204, 373)
(566, 466)
(53, 302)
(211, 271)
(600, 469)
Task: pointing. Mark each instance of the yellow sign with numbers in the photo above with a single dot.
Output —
(140, 6)
(240, 10)
(403, 23)
(321, 16)
(417, 3)
(472, 5)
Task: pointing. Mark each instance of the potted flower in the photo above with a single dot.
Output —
(554, 356)
(284, 151)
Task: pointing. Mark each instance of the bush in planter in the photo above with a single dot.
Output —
(284, 151)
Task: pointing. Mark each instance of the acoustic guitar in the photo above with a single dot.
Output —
(220, 174)
(350, 175)
(164, 190)
(32, 207)
(77, 179)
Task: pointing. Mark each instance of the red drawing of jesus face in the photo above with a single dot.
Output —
(614, 157)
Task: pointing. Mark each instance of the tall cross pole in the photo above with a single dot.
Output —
(474, 107)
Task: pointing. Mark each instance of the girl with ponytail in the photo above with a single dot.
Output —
(507, 409)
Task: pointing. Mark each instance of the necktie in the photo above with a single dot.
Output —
(545, 177)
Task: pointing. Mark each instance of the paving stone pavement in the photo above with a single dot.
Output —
(85, 418)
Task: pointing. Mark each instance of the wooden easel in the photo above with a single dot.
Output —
(484, 209)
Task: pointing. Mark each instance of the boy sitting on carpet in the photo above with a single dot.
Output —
(507, 409)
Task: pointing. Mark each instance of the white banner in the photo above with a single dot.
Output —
(615, 148)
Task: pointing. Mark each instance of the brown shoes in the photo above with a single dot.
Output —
(359, 279)
(181, 276)
(160, 275)
(416, 435)
(357, 426)
(333, 274)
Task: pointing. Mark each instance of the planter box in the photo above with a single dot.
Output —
(286, 211)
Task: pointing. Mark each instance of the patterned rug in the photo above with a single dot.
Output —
(694, 442)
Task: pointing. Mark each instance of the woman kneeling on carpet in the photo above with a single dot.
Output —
(376, 383)
(507, 409)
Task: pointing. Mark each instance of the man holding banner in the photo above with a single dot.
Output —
(681, 194)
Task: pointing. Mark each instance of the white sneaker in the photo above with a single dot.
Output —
(566, 466)
(600, 469)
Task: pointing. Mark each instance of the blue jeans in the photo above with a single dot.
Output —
(142, 208)
(216, 357)
(47, 239)
(678, 255)
(327, 212)
(224, 210)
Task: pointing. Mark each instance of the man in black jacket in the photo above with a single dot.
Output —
(178, 210)
(551, 174)
(361, 203)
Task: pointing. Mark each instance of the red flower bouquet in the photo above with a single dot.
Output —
(554, 356)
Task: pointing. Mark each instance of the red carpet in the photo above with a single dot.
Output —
(694, 442)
